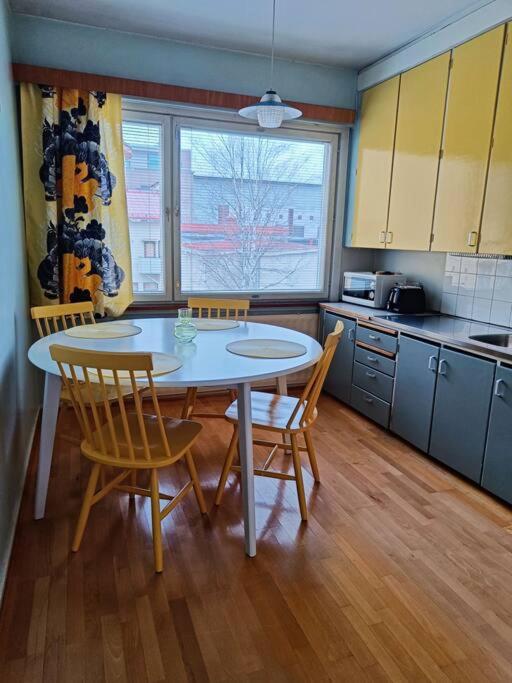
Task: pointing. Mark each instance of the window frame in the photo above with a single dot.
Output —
(173, 118)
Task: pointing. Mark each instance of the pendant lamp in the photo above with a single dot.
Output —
(270, 111)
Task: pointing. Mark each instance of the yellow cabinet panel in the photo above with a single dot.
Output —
(419, 130)
(467, 135)
(496, 231)
(375, 159)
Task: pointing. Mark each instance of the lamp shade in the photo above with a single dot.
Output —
(270, 111)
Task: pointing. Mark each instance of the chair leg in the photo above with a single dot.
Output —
(189, 404)
(298, 475)
(233, 444)
(133, 482)
(156, 522)
(86, 506)
(312, 455)
(195, 481)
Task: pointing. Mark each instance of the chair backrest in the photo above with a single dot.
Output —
(219, 308)
(57, 317)
(311, 393)
(95, 372)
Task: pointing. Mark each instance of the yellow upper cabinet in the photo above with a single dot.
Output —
(496, 231)
(467, 134)
(375, 160)
(419, 131)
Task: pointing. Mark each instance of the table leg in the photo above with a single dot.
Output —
(51, 400)
(246, 465)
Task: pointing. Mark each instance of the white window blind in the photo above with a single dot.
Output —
(253, 212)
(144, 159)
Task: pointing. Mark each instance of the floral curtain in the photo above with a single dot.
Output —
(75, 201)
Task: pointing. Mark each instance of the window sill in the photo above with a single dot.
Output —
(169, 306)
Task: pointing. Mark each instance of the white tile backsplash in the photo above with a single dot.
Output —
(500, 312)
(478, 288)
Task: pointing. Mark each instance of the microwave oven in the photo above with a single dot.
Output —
(369, 289)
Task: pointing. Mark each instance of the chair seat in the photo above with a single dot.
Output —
(180, 436)
(271, 411)
(97, 393)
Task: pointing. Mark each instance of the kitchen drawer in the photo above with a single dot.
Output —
(371, 406)
(375, 360)
(376, 338)
(377, 383)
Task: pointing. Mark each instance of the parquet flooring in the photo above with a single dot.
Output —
(403, 573)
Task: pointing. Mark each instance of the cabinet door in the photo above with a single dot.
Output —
(469, 118)
(415, 385)
(497, 471)
(496, 231)
(461, 411)
(339, 378)
(374, 162)
(419, 130)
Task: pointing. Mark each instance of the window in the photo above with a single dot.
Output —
(143, 152)
(151, 249)
(252, 210)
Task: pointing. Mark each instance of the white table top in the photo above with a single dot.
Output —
(206, 362)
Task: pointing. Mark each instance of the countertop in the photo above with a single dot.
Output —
(445, 329)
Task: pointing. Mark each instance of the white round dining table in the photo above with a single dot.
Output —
(205, 363)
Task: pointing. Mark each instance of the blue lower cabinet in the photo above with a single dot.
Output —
(415, 386)
(497, 471)
(461, 411)
(371, 406)
(339, 378)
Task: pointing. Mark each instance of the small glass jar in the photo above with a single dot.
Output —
(184, 329)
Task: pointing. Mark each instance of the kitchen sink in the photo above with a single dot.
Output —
(504, 340)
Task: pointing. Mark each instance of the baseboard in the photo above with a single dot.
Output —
(4, 566)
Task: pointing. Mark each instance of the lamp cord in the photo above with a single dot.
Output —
(272, 53)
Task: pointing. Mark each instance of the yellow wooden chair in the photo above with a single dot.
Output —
(204, 307)
(130, 440)
(289, 417)
(58, 317)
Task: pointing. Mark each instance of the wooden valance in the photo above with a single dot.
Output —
(24, 73)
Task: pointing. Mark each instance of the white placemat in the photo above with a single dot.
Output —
(162, 364)
(266, 348)
(103, 331)
(215, 324)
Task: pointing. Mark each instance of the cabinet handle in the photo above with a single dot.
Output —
(497, 388)
(442, 364)
(472, 238)
(375, 337)
(372, 359)
(351, 335)
(389, 237)
(371, 375)
(382, 237)
(368, 399)
(432, 363)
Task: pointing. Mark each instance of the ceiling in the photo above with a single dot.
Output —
(335, 32)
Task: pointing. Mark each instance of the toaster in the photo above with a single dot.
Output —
(406, 298)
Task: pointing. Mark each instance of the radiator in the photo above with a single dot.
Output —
(302, 322)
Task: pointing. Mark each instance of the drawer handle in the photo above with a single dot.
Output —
(497, 388)
(375, 337)
(372, 359)
(372, 375)
(368, 399)
(442, 367)
(432, 363)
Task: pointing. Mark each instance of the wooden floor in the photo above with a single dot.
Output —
(403, 573)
